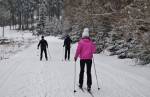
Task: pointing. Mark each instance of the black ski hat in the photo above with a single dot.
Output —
(42, 37)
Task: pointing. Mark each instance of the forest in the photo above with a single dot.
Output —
(118, 26)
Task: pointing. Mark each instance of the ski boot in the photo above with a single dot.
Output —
(89, 89)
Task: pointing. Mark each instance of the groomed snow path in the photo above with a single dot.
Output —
(23, 75)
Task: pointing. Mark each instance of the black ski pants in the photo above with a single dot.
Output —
(88, 63)
(45, 51)
(67, 53)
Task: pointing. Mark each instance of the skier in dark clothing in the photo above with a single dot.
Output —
(43, 44)
(67, 45)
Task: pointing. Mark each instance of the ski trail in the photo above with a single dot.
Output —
(25, 76)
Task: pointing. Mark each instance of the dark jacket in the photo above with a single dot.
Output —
(43, 44)
(67, 42)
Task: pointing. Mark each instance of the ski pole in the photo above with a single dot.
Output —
(96, 74)
(74, 77)
(49, 54)
(63, 54)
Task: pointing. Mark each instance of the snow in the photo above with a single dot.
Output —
(23, 75)
(15, 34)
(17, 41)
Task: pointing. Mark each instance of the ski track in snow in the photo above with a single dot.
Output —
(24, 75)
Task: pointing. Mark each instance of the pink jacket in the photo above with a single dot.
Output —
(86, 48)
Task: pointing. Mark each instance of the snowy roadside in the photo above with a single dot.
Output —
(15, 41)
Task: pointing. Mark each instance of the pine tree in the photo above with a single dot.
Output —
(42, 18)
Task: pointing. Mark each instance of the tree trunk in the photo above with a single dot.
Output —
(13, 20)
(32, 19)
(27, 27)
(3, 30)
(10, 21)
(20, 20)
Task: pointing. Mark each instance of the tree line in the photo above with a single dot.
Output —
(25, 13)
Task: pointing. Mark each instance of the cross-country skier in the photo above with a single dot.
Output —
(43, 45)
(67, 45)
(85, 51)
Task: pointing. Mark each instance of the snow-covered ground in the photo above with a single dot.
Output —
(17, 41)
(15, 34)
(23, 75)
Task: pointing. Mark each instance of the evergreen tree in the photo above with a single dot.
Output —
(42, 18)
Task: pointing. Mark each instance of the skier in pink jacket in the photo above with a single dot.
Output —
(85, 51)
